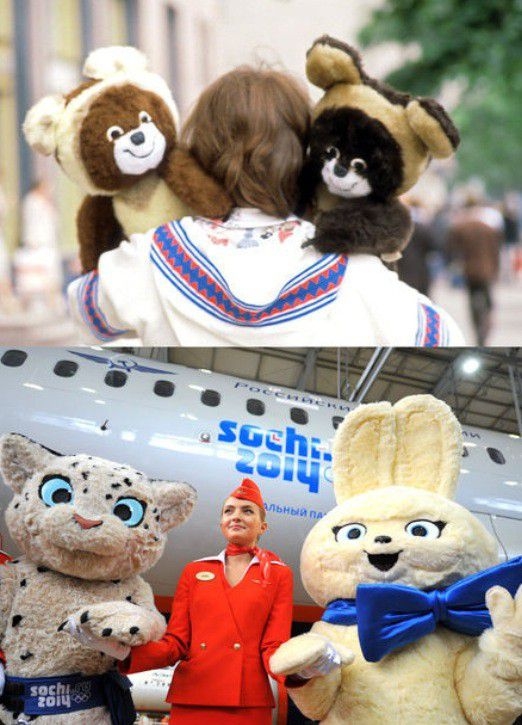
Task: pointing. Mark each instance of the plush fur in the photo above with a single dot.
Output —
(368, 144)
(115, 135)
(79, 559)
(392, 466)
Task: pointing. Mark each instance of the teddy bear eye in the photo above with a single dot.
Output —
(425, 529)
(358, 165)
(55, 490)
(349, 532)
(114, 132)
(332, 152)
(144, 117)
(130, 511)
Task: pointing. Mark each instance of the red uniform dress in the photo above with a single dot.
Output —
(224, 637)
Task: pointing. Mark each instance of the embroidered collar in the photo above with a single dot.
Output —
(193, 274)
(247, 217)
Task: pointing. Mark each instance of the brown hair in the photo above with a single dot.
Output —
(249, 129)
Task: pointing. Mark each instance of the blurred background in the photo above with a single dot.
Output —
(466, 252)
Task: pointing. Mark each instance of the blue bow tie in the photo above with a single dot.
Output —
(391, 615)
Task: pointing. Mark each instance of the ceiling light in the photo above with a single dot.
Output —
(470, 365)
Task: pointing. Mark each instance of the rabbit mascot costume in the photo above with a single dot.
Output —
(421, 624)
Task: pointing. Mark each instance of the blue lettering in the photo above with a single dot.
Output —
(291, 439)
(250, 435)
(269, 465)
(289, 468)
(273, 440)
(228, 428)
(308, 472)
(246, 458)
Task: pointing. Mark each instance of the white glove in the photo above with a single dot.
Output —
(108, 646)
(2, 678)
(325, 663)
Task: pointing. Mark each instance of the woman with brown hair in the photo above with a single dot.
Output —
(248, 279)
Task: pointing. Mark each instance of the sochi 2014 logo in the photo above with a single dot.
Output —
(278, 453)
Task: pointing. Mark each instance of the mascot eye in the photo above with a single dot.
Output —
(349, 532)
(114, 132)
(144, 117)
(54, 490)
(424, 529)
(130, 511)
(332, 152)
(358, 165)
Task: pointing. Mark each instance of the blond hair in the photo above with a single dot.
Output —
(249, 130)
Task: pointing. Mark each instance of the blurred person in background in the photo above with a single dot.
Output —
(511, 255)
(38, 269)
(475, 234)
(413, 267)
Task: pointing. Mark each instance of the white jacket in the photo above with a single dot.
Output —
(249, 282)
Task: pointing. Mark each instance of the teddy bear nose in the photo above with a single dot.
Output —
(137, 138)
(382, 539)
(340, 170)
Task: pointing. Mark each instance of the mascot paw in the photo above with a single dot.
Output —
(308, 653)
(121, 621)
(506, 616)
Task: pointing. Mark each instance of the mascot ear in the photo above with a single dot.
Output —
(433, 126)
(20, 457)
(105, 62)
(40, 124)
(329, 61)
(174, 500)
(429, 445)
(364, 450)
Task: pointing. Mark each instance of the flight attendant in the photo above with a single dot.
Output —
(230, 612)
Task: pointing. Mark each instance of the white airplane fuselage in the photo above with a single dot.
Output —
(62, 397)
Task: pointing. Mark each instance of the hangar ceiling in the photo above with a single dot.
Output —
(484, 398)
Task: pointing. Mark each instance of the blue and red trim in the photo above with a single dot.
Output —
(431, 330)
(94, 318)
(190, 271)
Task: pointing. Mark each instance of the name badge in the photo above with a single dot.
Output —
(205, 576)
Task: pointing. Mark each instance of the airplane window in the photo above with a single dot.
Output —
(210, 397)
(65, 368)
(336, 421)
(465, 452)
(298, 415)
(164, 388)
(116, 378)
(14, 358)
(496, 455)
(255, 406)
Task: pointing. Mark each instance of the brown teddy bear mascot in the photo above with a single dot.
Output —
(368, 144)
(115, 136)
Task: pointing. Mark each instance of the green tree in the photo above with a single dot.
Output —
(479, 41)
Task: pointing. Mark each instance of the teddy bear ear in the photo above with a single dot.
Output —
(429, 445)
(105, 62)
(364, 450)
(40, 124)
(330, 61)
(433, 126)
(175, 502)
(20, 458)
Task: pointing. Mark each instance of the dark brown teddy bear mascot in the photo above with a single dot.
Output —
(116, 137)
(369, 144)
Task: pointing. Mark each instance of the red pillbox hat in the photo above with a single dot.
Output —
(249, 491)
